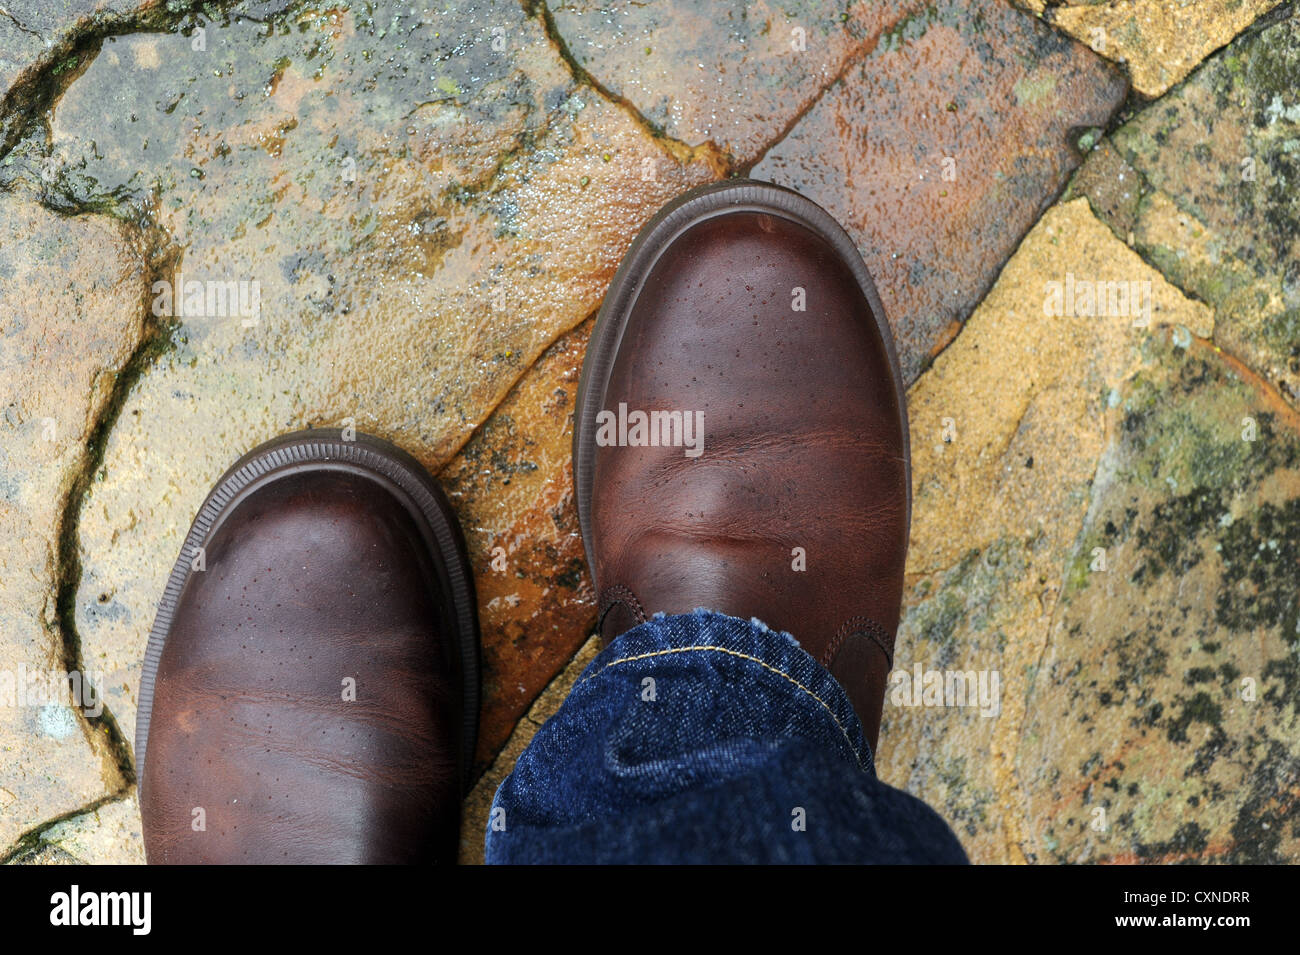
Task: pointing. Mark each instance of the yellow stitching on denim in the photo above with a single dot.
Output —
(743, 656)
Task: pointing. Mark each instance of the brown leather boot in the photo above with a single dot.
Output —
(745, 308)
(310, 688)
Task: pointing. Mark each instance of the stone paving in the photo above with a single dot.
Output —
(413, 213)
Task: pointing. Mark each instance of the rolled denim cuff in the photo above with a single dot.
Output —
(747, 656)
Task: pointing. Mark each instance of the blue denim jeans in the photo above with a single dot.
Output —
(705, 738)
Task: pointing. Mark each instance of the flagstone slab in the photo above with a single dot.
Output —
(734, 73)
(71, 294)
(512, 487)
(109, 834)
(36, 39)
(940, 148)
(1203, 184)
(1172, 734)
(1225, 146)
(1158, 41)
(1007, 428)
(45, 44)
(423, 202)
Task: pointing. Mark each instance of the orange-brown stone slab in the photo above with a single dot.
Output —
(512, 487)
(940, 148)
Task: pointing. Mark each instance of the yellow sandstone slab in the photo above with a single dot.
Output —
(1007, 428)
(1160, 41)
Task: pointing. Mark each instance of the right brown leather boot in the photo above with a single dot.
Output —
(310, 687)
(770, 476)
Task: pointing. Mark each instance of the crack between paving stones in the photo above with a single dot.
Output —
(1265, 20)
(1266, 390)
(154, 342)
(1120, 115)
(527, 718)
(952, 333)
(851, 60)
(32, 839)
(515, 384)
(20, 25)
(43, 82)
(707, 152)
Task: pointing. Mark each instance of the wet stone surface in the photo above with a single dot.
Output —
(1007, 428)
(1158, 42)
(1218, 163)
(732, 74)
(1174, 736)
(70, 294)
(512, 487)
(402, 218)
(938, 151)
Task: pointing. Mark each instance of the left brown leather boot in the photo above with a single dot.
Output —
(310, 688)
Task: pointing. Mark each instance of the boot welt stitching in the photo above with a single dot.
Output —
(858, 626)
(611, 597)
(744, 656)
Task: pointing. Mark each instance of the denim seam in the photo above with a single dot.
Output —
(744, 656)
